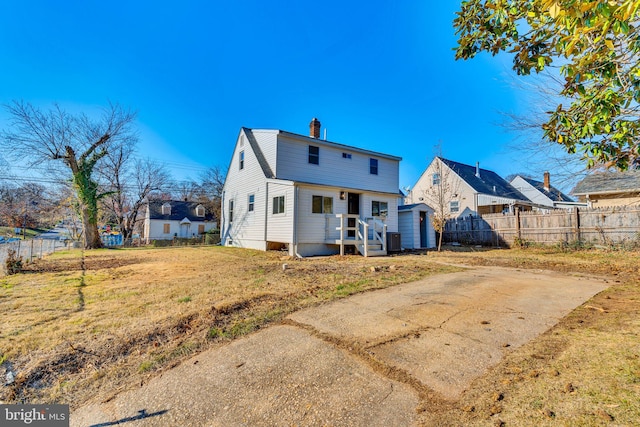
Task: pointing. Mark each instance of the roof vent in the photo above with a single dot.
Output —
(478, 169)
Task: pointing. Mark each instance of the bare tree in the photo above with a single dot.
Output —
(210, 189)
(541, 96)
(129, 184)
(440, 195)
(77, 142)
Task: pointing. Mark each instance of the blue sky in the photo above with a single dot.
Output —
(378, 75)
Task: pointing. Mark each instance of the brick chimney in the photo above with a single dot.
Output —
(314, 128)
(547, 181)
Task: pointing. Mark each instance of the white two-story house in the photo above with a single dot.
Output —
(308, 195)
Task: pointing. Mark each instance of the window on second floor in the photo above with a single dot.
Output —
(454, 206)
(166, 209)
(252, 200)
(435, 179)
(241, 160)
(230, 210)
(321, 204)
(200, 211)
(379, 208)
(373, 166)
(314, 155)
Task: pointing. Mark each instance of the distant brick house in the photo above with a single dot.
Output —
(166, 219)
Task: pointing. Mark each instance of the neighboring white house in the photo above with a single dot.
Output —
(307, 195)
(473, 191)
(416, 229)
(166, 219)
(543, 194)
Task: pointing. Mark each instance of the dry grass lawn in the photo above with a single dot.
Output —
(73, 331)
(77, 328)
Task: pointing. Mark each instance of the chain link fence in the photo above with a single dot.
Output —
(30, 249)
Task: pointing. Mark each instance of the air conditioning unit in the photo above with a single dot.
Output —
(394, 243)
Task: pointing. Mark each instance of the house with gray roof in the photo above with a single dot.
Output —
(166, 219)
(470, 190)
(609, 189)
(543, 194)
(307, 195)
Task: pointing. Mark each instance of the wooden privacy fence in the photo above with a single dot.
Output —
(602, 226)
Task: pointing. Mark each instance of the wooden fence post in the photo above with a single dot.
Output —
(518, 232)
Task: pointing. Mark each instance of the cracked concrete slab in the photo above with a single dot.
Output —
(448, 330)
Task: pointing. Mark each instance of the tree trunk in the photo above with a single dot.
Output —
(91, 235)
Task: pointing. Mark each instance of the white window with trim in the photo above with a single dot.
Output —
(454, 206)
(200, 211)
(252, 202)
(230, 210)
(435, 179)
(278, 205)
(321, 205)
(379, 209)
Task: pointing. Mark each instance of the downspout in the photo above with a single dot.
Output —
(296, 197)
(475, 201)
(266, 213)
(223, 233)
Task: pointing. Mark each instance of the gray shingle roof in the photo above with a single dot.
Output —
(179, 211)
(609, 182)
(553, 193)
(489, 182)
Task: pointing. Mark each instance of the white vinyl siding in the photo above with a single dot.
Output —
(292, 164)
(280, 226)
(246, 230)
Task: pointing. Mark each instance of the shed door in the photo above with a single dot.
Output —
(423, 229)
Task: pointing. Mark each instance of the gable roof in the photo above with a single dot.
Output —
(180, 211)
(489, 182)
(262, 161)
(413, 206)
(553, 193)
(609, 182)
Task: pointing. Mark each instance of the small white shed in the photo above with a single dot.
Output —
(415, 227)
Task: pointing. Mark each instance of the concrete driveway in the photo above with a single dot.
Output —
(363, 360)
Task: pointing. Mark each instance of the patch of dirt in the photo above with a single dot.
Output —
(44, 265)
